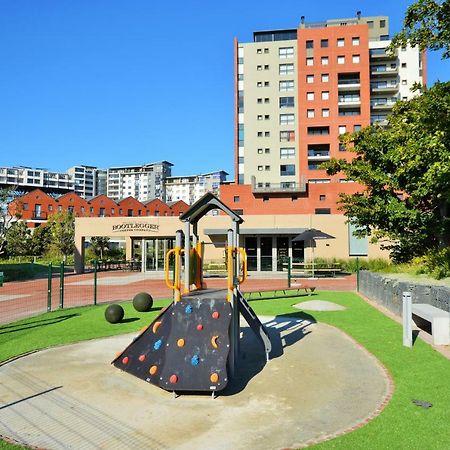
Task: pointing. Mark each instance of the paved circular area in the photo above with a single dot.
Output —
(318, 383)
(319, 305)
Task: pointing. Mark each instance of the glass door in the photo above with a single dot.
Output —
(266, 253)
(251, 250)
(282, 252)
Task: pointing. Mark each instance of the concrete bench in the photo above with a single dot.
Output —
(440, 321)
(287, 292)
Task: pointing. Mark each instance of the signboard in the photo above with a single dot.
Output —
(129, 227)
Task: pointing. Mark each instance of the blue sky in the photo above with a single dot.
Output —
(114, 82)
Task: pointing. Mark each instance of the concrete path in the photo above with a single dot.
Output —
(319, 383)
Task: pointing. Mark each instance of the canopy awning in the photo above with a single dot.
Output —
(255, 231)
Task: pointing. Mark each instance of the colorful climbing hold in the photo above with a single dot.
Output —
(153, 370)
(180, 342)
(199, 327)
(125, 360)
(215, 315)
(156, 326)
(188, 309)
(157, 344)
(141, 358)
(214, 377)
(195, 360)
(173, 379)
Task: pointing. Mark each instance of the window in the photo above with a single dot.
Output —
(259, 100)
(259, 117)
(287, 153)
(286, 119)
(102, 212)
(324, 60)
(342, 129)
(267, 151)
(356, 128)
(324, 43)
(25, 206)
(260, 150)
(404, 82)
(266, 100)
(318, 130)
(355, 41)
(355, 59)
(325, 78)
(60, 208)
(287, 170)
(259, 51)
(287, 102)
(309, 44)
(382, 23)
(260, 134)
(310, 96)
(370, 23)
(310, 113)
(286, 69)
(266, 67)
(287, 136)
(267, 168)
(266, 133)
(259, 84)
(81, 209)
(309, 61)
(342, 147)
(325, 95)
(350, 112)
(50, 208)
(266, 117)
(403, 65)
(325, 112)
(341, 59)
(310, 79)
(322, 211)
(340, 42)
(91, 209)
(266, 50)
(260, 168)
(258, 67)
(286, 85)
(286, 52)
(322, 197)
(266, 84)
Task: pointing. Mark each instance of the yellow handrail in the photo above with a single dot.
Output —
(230, 251)
(243, 254)
(168, 283)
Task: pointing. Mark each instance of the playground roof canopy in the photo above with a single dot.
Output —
(205, 204)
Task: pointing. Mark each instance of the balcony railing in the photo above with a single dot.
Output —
(39, 215)
(290, 187)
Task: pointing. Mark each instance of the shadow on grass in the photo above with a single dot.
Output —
(35, 324)
(129, 319)
(284, 331)
(278, 297)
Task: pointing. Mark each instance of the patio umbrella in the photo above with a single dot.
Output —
(311, 234)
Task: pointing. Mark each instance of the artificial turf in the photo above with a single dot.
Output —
(419, 373)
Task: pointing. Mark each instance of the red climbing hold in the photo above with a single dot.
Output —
(142, 358)
(125, 360)
(215, 315)
(199, 327)
(173, 379)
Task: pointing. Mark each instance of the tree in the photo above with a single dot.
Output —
(10, 210)
(41, 239)
(18, 239)
(99, 245)
(426, 24)
(405, 171)
(62, 229)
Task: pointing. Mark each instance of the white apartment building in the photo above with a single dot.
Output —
(89, 181)
(190, 188)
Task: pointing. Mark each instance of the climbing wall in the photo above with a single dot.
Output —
(186, 347)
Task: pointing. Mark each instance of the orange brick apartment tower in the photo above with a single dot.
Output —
(296, 91)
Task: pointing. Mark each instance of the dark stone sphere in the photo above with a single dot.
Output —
(143, 302)
(114, 313)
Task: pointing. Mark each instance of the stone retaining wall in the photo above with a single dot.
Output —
(388, 291)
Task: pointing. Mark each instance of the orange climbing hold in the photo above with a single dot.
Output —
(142, 358)
(173, 379)
(180, 342)
(215, 315)
(156, 326)
(125, 360)
(118, 354)
(214, 378)
(153, 370)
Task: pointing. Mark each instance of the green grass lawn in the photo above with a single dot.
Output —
(418, 373)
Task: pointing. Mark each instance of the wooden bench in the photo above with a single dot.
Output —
(293, 291)
(440, 321)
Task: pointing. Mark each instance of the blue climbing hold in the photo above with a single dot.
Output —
(188, 309)
(157, 344)
(195, 360)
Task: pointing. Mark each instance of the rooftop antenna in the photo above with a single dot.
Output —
(358, 15)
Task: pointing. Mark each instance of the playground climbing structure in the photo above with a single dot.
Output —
(193, 344)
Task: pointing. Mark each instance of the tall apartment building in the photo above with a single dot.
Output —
(88, 181)
(297, 90)
(192, 187)
(143, 182)
(27, 178)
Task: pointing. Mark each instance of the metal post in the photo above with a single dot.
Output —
(357, 274)
(289, 271)
(187, 256)
(61, 285)
(407, 319)
(49, 288)
(95, 282)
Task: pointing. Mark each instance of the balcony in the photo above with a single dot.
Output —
(377, 105)
(379, 54)
(381, 88)
(318, 155)
(39, 215)
(348, 85)
(383, 70)
(349, 101)
(288, 187)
